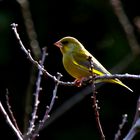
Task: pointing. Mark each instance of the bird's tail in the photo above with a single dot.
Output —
(117, 81)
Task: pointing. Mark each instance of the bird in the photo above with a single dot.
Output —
(76, 61)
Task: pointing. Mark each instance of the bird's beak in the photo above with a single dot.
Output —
(58, 44)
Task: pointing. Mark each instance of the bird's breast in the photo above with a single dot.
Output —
(73, 68)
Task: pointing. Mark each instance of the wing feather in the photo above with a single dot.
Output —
(81, 59)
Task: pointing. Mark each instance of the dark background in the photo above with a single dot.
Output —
(93, 23)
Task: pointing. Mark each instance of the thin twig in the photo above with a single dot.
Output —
(42, 123)
(9, 122)
(119, 76)
(36, 103)
(49, 108)
(137, 114)
(53, 98)
(124, 120)
(136, 123)
(78, 96)
(135, 129)
(95, 102)
(96, 108)
(11, 113)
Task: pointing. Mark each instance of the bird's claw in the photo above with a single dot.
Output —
(78, 82)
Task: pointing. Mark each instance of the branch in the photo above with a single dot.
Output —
(42, 123)
(136, 123)
(95, 101)
(36, 103)
(135, 129)
(9, 122)
(118, 134)
(96, 108)
(119, 76)
(11, 113)
(49, 108)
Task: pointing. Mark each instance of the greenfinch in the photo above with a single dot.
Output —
(76, 63)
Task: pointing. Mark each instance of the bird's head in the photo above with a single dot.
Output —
(68, 44)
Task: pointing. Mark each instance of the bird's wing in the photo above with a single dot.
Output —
(81, 59)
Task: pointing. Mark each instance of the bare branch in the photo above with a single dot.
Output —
(78, 96)
(59, 75)
(119, 76)
(11, 113)
(136, 124)
(9, 122)
(133, 131)
(95, 101)
(118, 134)
(36, 103)
(137, 114)
(42, 123)
(96, 108)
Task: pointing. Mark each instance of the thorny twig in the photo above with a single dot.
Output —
(42, 122)
(95, 101)
(137, 114)
(119, 76)
(36, 103)
(118, 134)
(96, 108)
(11, 113)
(9, 122)
(136, 123)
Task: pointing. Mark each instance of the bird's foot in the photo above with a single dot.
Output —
(78, 82)
(83, 81)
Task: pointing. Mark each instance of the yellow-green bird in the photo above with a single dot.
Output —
(76, 63)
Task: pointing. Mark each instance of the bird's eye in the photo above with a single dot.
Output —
(65, 42)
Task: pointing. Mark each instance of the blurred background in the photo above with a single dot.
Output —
(95, 24)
